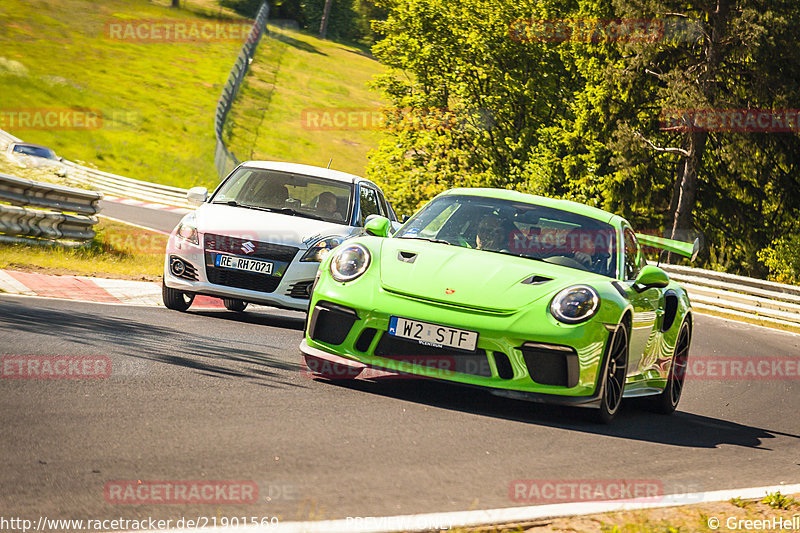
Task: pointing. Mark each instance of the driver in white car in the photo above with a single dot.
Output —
(327, 206)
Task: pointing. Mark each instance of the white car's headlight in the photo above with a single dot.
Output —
(575, 304)
(320, 249)
(350, 262)
(187, 230)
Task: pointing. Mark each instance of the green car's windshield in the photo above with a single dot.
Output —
(284, 192)
(519, 229)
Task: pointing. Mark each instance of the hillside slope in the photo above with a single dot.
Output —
(298, 89)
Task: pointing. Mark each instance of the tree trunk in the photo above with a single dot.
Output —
(687, 191)
(176, 3)
(323, 25)
(696, 140)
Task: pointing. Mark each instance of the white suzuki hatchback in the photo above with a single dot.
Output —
(261, 235)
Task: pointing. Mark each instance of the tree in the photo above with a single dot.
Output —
(735, 187)
(586, 118)
(475, 95)
(323, 25)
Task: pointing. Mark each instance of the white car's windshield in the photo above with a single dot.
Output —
(295, 194)
(517, 228)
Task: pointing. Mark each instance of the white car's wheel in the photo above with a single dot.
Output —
(175, 299)
(232, 304)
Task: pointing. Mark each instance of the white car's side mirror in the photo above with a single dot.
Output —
(197, 195)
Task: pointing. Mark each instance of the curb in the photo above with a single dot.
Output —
(91, 289)
(147, 205)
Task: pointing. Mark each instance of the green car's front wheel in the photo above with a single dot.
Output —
(614, 376)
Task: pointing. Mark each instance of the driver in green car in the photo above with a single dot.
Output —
(582, 247)
(491, 233)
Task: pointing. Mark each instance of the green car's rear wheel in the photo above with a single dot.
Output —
(614, 376)
(667, 401)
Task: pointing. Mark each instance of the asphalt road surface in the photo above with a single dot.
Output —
(164, 221)
(220, 396)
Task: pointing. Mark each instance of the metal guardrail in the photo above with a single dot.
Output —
(115, 185)
(739, 297)
(25, 192)
(70, 215)
(6, 139)
(224, 159)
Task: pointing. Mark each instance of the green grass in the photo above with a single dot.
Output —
(158, 99)
(293, 72)
(118, 251)
(777, 500)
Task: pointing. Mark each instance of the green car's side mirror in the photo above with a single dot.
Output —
(378, 226)
(651, 277)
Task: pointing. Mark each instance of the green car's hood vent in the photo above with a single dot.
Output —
(468, 278)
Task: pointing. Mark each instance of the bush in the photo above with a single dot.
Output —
(350, 20)
(247, 8)
(782, 258)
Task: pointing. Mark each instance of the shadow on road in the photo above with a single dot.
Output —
(183, 341)
(633, 422)
(259, 319)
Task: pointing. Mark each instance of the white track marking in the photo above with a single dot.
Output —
(424, 522)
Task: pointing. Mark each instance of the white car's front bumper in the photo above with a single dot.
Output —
(283, 295)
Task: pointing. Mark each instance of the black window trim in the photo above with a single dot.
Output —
(624, 270)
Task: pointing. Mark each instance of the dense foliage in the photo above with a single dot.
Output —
(500, 93)
(350, 20)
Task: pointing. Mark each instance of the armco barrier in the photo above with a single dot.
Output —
(70, 216)
(114, 185)
(25, 192)
(6, 139)
(740, 298)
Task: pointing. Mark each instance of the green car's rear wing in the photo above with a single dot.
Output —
(686, 249)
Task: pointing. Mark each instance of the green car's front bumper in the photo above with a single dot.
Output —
(525, 354)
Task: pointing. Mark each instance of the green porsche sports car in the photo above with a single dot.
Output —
(525, 296)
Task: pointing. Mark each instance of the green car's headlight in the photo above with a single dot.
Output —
(350, 262)
(575, 304)
(317, 251)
